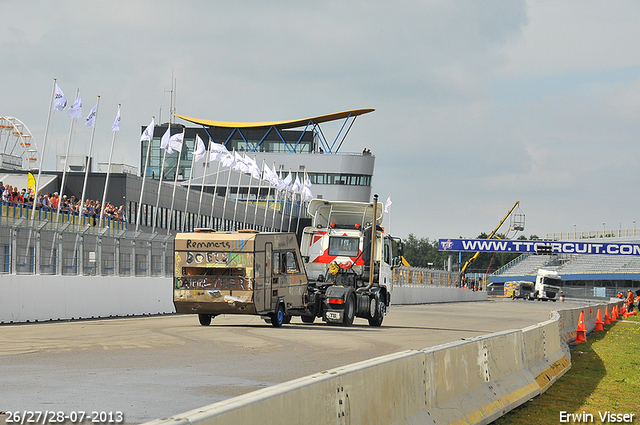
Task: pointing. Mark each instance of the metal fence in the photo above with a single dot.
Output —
(50, 248)
(418, 276)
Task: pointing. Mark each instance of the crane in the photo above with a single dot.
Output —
(517, 224)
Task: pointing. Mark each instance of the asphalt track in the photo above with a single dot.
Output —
(152, 367)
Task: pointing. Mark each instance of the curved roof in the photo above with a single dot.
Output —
(279, 124)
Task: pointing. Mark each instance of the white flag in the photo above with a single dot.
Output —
(116, 124)
(253, 167)
(239, 164)
(288, 181)
(164, 142)
(387, 204)
(200, 151)
(218, 152)
(297, 186)
(175, 143)
(148, 132)
(269, 175)
(59, 100)
(75, 110)
(90, 120)
(306, 190)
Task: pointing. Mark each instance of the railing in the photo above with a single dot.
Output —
(10, 213)
(77, 247)
(620, 233)
(418, 276)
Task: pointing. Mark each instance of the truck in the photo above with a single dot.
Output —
(548, 285)
(331, 274)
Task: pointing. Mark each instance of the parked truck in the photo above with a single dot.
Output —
(332, 275)
(547, 286)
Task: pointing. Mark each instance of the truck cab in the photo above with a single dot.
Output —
(548, 285)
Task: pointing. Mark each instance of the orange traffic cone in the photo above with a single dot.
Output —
(581, 332)
(614, 313)
(599, 322)
(607, 319)
(633, 313)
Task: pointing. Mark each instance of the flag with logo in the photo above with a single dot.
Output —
(200, 151)
(75, 110)
(59, 99)
(116, 124)
(164, 142)
(175, 143)
(387, 204)
(147, 135)
(90, 120)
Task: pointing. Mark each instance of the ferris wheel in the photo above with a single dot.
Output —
(17, 141)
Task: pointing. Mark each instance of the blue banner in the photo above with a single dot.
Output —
(531, 247)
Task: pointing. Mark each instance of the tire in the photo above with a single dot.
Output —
(277, 317)
(286, 319)
(204, 319)
(379, 316)
(349, 311)
(308, 319)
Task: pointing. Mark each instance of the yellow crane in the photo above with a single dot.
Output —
(517, 224)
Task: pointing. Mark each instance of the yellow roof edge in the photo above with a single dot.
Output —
(279, 124)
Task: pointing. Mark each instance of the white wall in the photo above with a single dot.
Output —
(32, 298)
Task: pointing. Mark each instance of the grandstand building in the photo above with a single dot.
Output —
(583, 275)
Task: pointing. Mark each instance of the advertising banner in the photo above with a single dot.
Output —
(532, 247)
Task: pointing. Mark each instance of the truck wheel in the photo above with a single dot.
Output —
(204, 319)
(376, 320)
(308, 319)
(349, 311)
(277, 317)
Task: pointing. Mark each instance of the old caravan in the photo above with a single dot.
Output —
(238, 273)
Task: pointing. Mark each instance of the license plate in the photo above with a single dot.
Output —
(333, 315)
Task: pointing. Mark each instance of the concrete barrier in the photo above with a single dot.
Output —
(404, 295)
(32, 298)
(470, 381)
(29, 298)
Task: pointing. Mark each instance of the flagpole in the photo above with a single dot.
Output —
(106, 183)
(235, 205)
(215, 190)
(226, 193)
(273, 218)
(186, 202)
(44, 145)
(155, 217)
(86, 172)
(64, 170)
(246, 202)
(144, 175)
(255, 211)
(204, 174)
(175, 183)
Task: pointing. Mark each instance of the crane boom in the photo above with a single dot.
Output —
(475, 256)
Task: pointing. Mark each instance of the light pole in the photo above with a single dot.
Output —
(634, 227)
(575, 235)
(604, 232)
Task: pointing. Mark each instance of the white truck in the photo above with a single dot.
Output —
(548, 285)
(336, 250)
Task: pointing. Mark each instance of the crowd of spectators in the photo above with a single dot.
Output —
(50, 202)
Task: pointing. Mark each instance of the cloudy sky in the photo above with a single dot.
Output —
(478, 104)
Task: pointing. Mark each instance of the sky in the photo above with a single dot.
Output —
(477, 104)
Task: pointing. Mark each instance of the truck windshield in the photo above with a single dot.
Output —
(344, 246)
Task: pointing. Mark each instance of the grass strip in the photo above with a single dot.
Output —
(604, 377)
